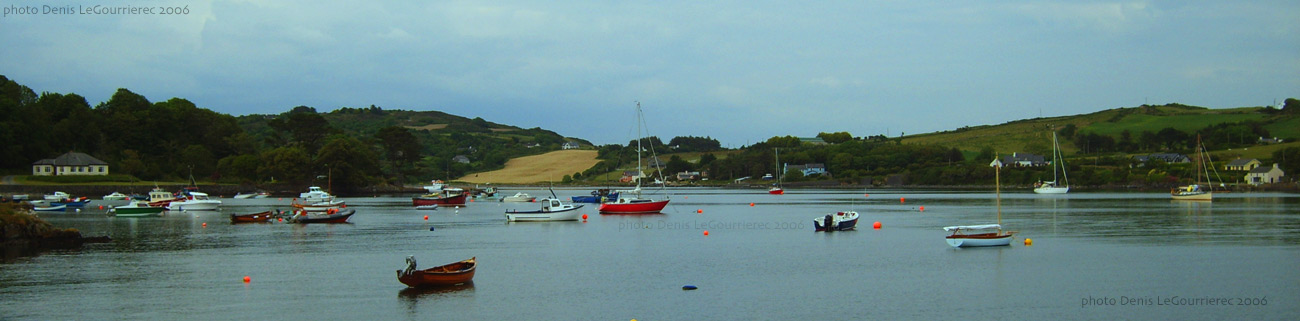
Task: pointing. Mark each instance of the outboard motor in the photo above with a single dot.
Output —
(827, 223)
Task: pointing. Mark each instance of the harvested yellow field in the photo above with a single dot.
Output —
(538, 168)
(428, 127)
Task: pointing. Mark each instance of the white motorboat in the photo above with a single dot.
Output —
(115, 197)
(519, 197)
(197, 201)
(552, 210)
(315, 195)
(841, 221)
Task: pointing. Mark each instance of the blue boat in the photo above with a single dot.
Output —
(70, 203)
(597, 196)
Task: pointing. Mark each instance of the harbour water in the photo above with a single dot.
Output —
(1094, 256)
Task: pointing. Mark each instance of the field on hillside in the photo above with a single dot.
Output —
(1137, 124)
(537, 168)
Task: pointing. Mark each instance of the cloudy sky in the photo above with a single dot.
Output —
(738, 71)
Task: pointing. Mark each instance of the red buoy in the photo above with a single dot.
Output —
(426, 217)
(902, 200)
(247, 279)
(584, 217)
(706, 232)
(923, 208)
(751, 204)
(701, 211)
(876, 225)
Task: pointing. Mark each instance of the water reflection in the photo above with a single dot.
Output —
(411, 297)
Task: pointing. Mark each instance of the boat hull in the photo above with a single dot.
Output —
(1206, 196)
(776, 191)
(450, 274)
(339, 217)
(633, 208)
(251, 218)
(72, 203)
(441, 201)
(979, 240)
(127, 211)
(1052, 190)
(542, 216)
(59, 208)
(842, 221)
(208, 205)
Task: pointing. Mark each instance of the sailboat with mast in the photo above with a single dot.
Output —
(1197, 192)
(1052, 187)
(776, 189)
(998, 238)
(631, 202)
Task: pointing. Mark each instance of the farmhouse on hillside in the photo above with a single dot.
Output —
(1265, 175)
(71, 163)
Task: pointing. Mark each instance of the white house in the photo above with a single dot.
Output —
(570, 145)
(1265, 175)
(71, 163)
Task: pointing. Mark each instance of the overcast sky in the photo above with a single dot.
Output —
(739, 71)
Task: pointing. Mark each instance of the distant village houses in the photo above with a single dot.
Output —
(1024, 160)
(570, 145)
(1265, 140)
(71, 163)
(630, 176)
(1265, 175)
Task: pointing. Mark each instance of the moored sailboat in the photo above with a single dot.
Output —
(997, 238)
(1058, 160)
(631, 202)
(1197, 192)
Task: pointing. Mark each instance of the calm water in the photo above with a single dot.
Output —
(1130, 253)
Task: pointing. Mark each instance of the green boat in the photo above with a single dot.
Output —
(137, 209)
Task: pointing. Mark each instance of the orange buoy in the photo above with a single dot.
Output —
(706, 232)
(902, 200)
(923, 208)
(701, 211)
(686, 197)
(205, 224)
(247, 279)
(751, 204)
(281, 219)
(876, 225)
(866, 195)
(584, 217)
(101, 207)
(426, 217)
(1029, 242)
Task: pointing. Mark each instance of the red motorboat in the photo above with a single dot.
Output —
(448, 197)
(251, 218)
(444, 275)
(633, 206)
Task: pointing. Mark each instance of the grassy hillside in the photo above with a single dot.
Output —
(1034, 135)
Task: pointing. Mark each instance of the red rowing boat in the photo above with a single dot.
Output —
(433, 199)
(444, 275)
(251, 218)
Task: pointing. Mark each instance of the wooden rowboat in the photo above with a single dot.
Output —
(444, 275)
(251, 218)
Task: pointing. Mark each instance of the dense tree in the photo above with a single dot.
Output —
(694, 144)
(836, 137)
(1288, 159)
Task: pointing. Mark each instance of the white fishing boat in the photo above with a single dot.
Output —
(840, 221)
(552, 210)
(241, 195)
(315, 195)
(959, 238)
(115, 197)
(196, 201)
(1058, 161)
(57, 196)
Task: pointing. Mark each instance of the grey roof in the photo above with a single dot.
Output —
(1241, 161)
(1262, 169)
(71, 159)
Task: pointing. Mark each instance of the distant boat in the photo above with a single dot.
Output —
(115, 197)
(552, 210)
(72, 203)
(597, 196)
(776, 188)
(519, 197)
(840, 221)
(57, 196)
(1051, 187)
(449, 196)
(55, 208)
(160, 197)
(998, 238)
(1197, 192)
(137, 209)
(631, 202)
(241, 195)
(251, 218)
(427, 207)
(443, 275)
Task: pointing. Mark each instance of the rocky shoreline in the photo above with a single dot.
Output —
(21, 232)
